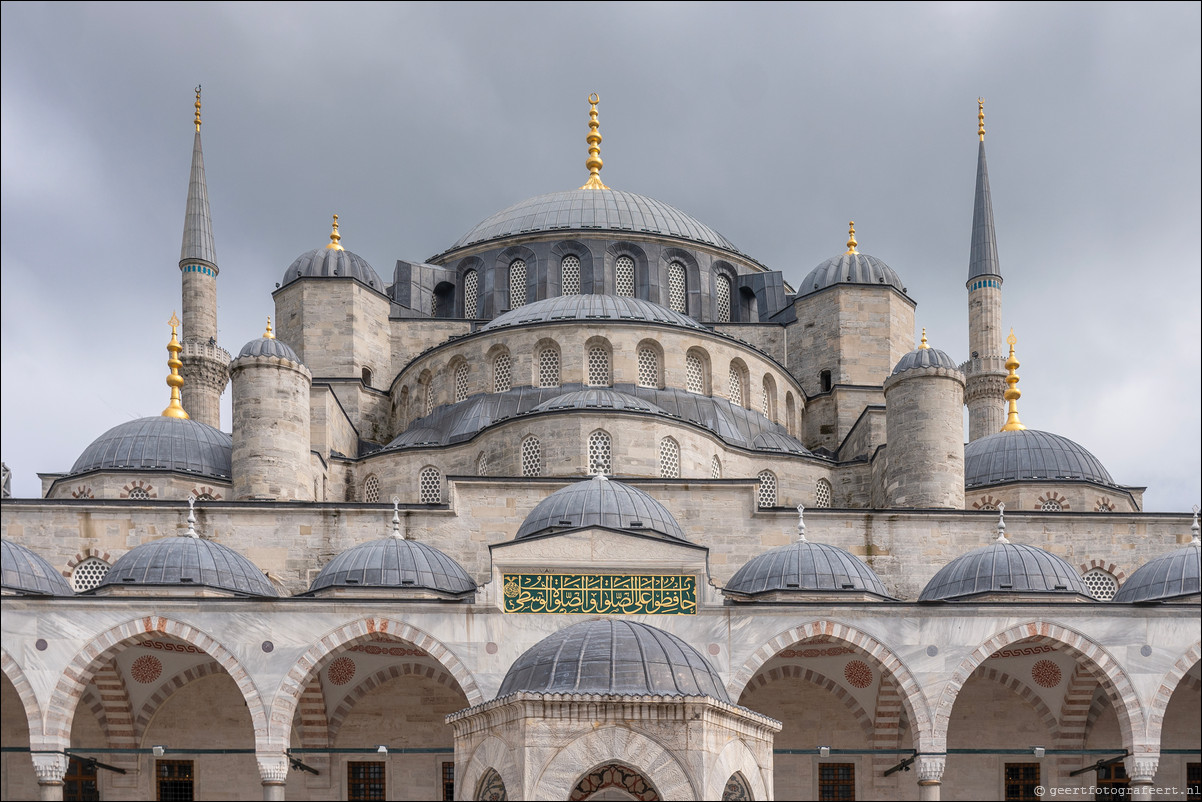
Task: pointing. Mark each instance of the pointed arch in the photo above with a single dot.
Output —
(393, 671)
(821, 681)
(613, 745)
(494, 755)
(29, 699)
(1164, 693)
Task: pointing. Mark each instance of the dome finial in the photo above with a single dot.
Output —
(175, 381)
(396, 519)
(192, 517)
(593, 162)
(197, 118)
(1001, 524)
(981, 118)
(1197, 530)
(851, 237)
(269, 334)
(922, 345)
(801, 523)
(335, 237)
(1012, 394)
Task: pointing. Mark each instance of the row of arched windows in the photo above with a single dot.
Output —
(429, 484)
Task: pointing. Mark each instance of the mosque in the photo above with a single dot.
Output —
(594, 505)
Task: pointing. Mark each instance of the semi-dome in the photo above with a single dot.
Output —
(850, 268)
(600, 502)
(326, 262)
(613, 656)
(187, 562)
(590, 309)
(593, 210)
(1027, 454)
(269, 346)
(806, 566)
(160, 444)
(395, 563)
(1003, 567)
(26, 573)
(925, 357)
(1171, 576)
(599, 398)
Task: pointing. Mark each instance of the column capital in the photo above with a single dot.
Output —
(930, 769)
(1141, 768)
(49, 767)
(273, 768)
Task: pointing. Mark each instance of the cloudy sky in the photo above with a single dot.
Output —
(775, 124)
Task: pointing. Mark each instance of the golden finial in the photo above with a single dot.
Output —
(197, 120)
(269, 334)
(981, 118)
(923, 345)
(335, 237)
(851, 237)
(175, 381)
(1012, 394)
(593, 162)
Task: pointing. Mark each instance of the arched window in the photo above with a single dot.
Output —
(139, 493)
(1100, 583)
(735, 385)
(823, 493)
(768, 397)
(669, 458)
(624, 276)
(460, 382)
(678, 299)
(427, 396)
(430, 486)
(737, 789)
(500, 373)
(694, 371)
(548, 367)
(366, 376)
(88, 574)
(1051, 505)
(517, 284)
(570, 275)
(598, 366)
(790, 414)
(722, 291)
(471, 293)
(532, 457)
(824, 381)
(434, 304)
(482, 464)
(371, 489)
(715, 468)
(767, 490)
(648, 367)
(600, 453)
(1104, 505)
(492, 788)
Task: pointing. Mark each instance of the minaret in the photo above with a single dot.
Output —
(984, 371)
(205, 364)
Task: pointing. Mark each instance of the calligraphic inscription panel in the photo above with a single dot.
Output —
(600, 594)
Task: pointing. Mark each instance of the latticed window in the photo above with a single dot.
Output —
(548, 368)
(482, 464)
(823, 493)
(836, 781)
(433, 304)
(570, 271)
(429, 397)
(471, 289)
(598, 366)
(648, 367)
(88, 574)
(430, 486)
(715, 468)
(461, 382)
(517, 284)
(765, 394)
(1052, 505)
(624, 276)
(767, 489)
(600, 453)
(371, 489)
(735, 384)
(677, 296)
(139, 493)
(532, 457)
(1104, 505)
(1100, 583)
(722, 290)
(500, 374)
(669, 458)
(694, 373)
(366, 781)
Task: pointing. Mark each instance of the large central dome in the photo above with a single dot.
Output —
(601, 209)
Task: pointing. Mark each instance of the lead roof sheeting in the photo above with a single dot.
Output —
(198, 223)
(925, 358)
(393, 562)
(27, 572)
(1172, 575)
(600, 502)
(160, 444)
(850, 268)
(982, 258)
(1029, 454)
(269, 346)
(805, 566)
(1003, 568)
(329, 263)
(191, 561)
(591, 307)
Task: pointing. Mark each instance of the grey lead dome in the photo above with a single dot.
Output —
(269, 346)
(850, 268)
(1029, 454)
(393, 562)
(600, 502)
(590, 308)
(803, 566)
(1172, 576)
(27, 573)
(613, 656)
(190, 562)
(1003, 568)
(326, 262)
(160, 444)
(925, 358)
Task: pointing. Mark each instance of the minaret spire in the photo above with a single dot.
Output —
(593, 162)
(982, 260)
(198, 224)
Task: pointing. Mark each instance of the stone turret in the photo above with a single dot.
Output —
(271, 423)
(205, 364)
(924, 425)
(985, 368)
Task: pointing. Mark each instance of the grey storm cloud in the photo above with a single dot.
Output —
(775, 124)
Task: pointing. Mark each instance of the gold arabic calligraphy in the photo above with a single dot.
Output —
(600, 594)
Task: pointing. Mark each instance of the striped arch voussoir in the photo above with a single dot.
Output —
(813, 677)
(1160, 702)
(29, 700)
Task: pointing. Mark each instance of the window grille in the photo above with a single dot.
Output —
(694, 374)
(366, 781)
(461, 382)
(836, 780)
(598, 366)
(139, 493)
(735, 381)
(448, 781)
(500, 373)
(532, 457)
(648, 367)
(371, 489)
(429, 397)
(669, 458)
(517, 284)
(88, 574)
(548, 368)
(677, 295)
(767, 489)
(1052, 505)
(715, 468)
(174, 780)
(570, 273)
(1100, 583)
(430, 485)
(624, 276)
(600, 458)
(482, 465)
(823, 494)
(722, 288)
(471, 287)
(764, 396)
(433, 304)
(1021, 781)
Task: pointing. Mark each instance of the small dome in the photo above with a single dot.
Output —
(332, 263)
(269, 346)
(593, 210)
(189, 562)
(613, 656)
(1029, 454)
(803, 566)
(160, 444)
(393, 562)
(599, 398)
(850, 268)
(925, 358)
(26, 573)
(590, 309)
(1003, 568)
(1168, 577)
(600, 502)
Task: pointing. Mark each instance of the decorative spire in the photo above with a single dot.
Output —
(175, 381)
(396, 519)
(981, 118)
(1012, 394)
(269, 334)
(922, 345)
(851, 237)
(1001, 524)
(192, 518)
(1197, 530)
(593, 162)
(801, 523)
(982, 258)
(197, 118)
(335, 237)
(198, 224)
